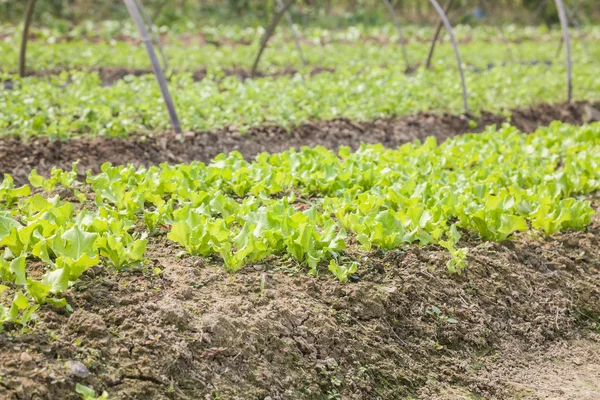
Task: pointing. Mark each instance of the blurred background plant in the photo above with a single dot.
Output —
(324, 13)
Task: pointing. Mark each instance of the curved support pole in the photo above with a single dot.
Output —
(155, 37)
(23, 53)
(268, 33)
(436, 35)
(399, 29)
(565, 37)
(160, 77)
(442, 15)
(295, 35)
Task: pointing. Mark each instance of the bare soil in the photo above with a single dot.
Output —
(18, 157)
(518, 323)
(565, 370)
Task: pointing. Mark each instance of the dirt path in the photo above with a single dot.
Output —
(565, 371)
(18, 158)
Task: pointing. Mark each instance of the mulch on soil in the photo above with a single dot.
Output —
(272, 331)
(18, 157)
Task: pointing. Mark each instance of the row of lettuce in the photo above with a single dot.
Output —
(318, 208)
(78, 104)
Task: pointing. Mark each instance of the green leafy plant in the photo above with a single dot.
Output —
(436, 312)
(342, 271)
(87, 393)
(57, 177)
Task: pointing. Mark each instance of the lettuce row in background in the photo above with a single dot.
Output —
(49, 106)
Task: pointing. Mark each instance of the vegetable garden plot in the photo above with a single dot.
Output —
(112, 75)
(393, 269)
(236, 35)
(358, 83)
(308, 206)
(406, 328)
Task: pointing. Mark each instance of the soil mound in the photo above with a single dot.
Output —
(403, 327)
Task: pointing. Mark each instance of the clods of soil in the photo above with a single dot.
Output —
(18, 157)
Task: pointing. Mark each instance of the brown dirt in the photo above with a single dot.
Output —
(18, 157)
(197, 332)
(565, 370)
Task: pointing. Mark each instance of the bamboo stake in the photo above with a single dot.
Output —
(160, 77)
(565, 37)
(294, 31)
(399, 29)
(436, 35)
(27, 23)
(446, 22)
(268, 33)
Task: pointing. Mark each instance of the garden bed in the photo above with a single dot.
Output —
(18, 157)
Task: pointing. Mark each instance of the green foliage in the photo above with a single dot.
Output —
(87, 393)
(196, 232)
(367, 83)
(311, 206)
(457, 261)
(342, 271)
(9, 194)
(57, 177)
(191, 15)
